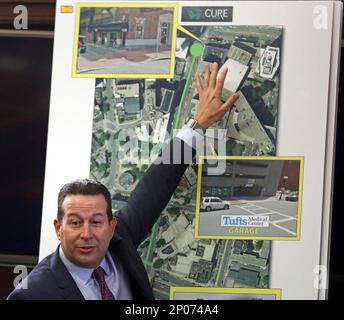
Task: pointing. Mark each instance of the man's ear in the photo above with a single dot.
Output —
(113, 224)
(57, 226)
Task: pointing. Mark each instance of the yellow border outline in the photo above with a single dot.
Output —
(276, 292)
(299, 204)
(169, 75)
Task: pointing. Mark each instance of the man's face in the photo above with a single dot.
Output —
(85, 231)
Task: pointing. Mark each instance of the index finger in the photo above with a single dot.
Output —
(199, 84)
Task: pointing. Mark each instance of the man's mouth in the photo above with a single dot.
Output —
(86, 249)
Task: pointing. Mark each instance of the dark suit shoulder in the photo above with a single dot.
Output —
(49, 280)
(39, 284)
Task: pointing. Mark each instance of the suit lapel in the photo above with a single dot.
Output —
(133, 266)
(65, 282)
(129, 260)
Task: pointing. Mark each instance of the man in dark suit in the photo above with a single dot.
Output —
(97, 257)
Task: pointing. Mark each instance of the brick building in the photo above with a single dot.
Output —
(125, 27)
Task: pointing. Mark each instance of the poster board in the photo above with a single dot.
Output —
(307, 93)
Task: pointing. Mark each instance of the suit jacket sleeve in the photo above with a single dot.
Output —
(155, 189)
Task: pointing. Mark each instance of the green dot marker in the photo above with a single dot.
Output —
(197, 50)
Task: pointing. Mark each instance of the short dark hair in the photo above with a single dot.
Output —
(83, 187)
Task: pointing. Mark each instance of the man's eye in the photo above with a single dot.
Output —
(97, 222)
(75, 223)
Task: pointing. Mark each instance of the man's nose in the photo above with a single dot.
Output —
(86, 232)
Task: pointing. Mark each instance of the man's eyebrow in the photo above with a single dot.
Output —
(99, 214)
(73, 214)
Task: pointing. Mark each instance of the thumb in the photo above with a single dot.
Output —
(230, 101)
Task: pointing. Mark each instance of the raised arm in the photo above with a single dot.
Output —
(157, 185)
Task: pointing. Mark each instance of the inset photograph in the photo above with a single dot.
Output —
(125, 40)
(249, 198)
(193, 293)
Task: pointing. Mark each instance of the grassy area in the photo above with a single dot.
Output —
(158, 263)
(265, 281)
(262, 90)
(173, 210)
(230, 145)
(161, 242)
(259, 245)
(104, 137)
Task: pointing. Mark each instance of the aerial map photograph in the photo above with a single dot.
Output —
(135, 118)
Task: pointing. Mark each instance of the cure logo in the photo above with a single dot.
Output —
(206, 14)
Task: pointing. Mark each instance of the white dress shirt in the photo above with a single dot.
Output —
(116, 279)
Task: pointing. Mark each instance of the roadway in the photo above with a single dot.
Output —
(282, 218)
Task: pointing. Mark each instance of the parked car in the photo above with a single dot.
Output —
(292, 197)
(214, 203)
(82, 44)
(218, 42)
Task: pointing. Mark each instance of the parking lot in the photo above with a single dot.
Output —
(282, 218)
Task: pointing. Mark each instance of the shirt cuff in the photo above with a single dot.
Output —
(191, 137)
